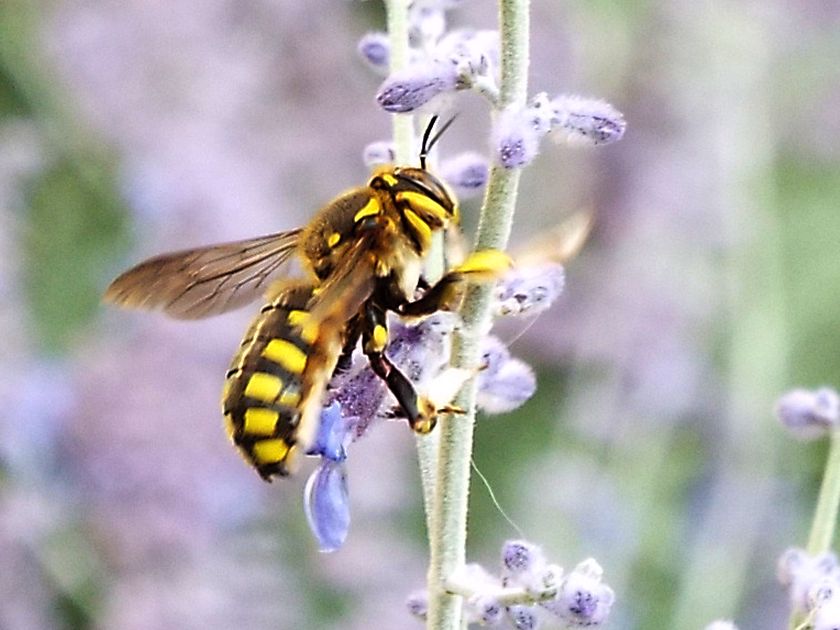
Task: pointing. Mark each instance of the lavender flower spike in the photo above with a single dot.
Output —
(416, 85)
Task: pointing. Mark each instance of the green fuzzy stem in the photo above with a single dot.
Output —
(825, 516)
(403, 128)
(828, 503)
(448, 533)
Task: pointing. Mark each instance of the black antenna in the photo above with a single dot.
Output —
(427, 144)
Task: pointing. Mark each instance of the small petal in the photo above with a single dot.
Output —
(809, 414)
(504, 383)
(523, 617)
(418, 604)
(586, 121)
(515, 141)
(379, 153)
(375, 50)
(466, 173)
(529, 289)
(331, 435)
(416, 85)
(327, 505)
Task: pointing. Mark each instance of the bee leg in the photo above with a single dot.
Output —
(354, 328)
(481, 266)
(420, 412)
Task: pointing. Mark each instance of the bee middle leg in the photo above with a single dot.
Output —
(420, 412)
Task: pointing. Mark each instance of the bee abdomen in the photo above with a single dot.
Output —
(261, 399)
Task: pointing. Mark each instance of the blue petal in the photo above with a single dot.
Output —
(327, 504)
(332, 433)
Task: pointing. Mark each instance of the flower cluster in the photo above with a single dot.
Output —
(442, 63)
(528, 591)
(812, 582)
(358, 399)
(809, 414)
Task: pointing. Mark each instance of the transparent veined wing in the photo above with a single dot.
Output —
(205, 281)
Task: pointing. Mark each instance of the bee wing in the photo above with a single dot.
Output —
(336, 301)
(561, 243)
(196, 283)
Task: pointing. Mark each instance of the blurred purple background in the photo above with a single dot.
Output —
(709, 286)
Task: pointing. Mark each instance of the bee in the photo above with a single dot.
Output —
(362, 256)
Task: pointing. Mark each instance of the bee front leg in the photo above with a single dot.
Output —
(482, 266)
(420, 411)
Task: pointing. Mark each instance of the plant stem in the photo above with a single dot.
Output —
(447, 539)
(403, 124)
(828, 503)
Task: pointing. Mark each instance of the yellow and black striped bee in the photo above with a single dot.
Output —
(362, 256)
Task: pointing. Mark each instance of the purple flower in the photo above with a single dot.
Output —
(466, 173)
(586, 121)
(515, 140)
(583, 600)
(416, 85)
(809, 414)
(327, 504)
(529, 289)
(375, 50)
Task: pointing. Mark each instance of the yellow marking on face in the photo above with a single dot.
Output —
(370, 209)
(298, 319)
(285, 354)
(259, 421)
(270, 451)
(380, 337)
(486, 264)
(423, 229)
(333, 239)
(230, 427)
(290, 399)
(423, 204)
(389, 179)
(264, 387)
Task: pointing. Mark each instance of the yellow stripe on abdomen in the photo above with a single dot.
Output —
(269, 451)
(285, 354)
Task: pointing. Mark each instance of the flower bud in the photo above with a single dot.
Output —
(375, 51)
(418, 604)
(586, 121)
(515, 140)
(809, 414)
(583, 600)
(466, 173)
(504, 383)
(415, 86)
